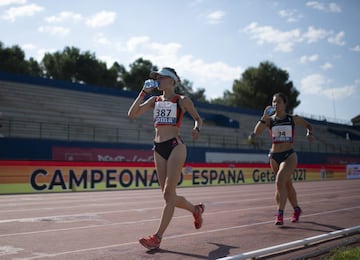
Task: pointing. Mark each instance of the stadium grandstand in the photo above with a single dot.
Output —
(38, 114)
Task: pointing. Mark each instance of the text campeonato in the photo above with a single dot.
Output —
(90, 179)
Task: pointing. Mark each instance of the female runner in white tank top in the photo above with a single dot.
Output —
(169, 149)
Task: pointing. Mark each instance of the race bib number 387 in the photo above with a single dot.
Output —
(165, 113)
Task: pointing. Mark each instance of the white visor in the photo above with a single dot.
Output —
(165, 72)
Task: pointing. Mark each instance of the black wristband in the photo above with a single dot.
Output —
(197, 129)
(262, 121)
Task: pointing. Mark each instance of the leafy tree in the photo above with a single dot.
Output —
(139, 70)
(225, 100)
(258, 85)
(34, 68)
(72, 65)
(13, 60)
(61, 66)
(88, 69)
(186, 88)
(114, 76)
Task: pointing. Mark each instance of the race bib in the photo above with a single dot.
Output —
(165, 113)
(282, 134)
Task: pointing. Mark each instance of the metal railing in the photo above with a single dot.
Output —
(142, 134)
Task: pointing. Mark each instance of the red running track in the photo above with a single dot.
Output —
(107, 225)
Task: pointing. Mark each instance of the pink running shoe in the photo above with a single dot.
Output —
(279, 219)
(296, 215)
(151, 242)
(198, 215)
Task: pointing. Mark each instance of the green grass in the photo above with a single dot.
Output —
(344, 253)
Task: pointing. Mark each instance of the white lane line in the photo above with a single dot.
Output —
(175, 236)
(34, 219)
(9, 250)
(44, 255)
(124, 196)
(122, 223)
(175, 217)
(75, 202)
(119, 199)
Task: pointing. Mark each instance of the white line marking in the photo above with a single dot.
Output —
(124, 198)
(177, 236)
(34, 219)
(9, 250)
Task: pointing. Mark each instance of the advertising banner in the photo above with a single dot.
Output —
(353, 171)
(52, 176)
(101, 154)
(219, 157)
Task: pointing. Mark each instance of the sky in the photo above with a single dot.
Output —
(209, 42)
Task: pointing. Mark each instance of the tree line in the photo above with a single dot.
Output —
(254, 88)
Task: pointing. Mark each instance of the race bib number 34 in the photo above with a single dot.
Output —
(165, 113)
(282, 133)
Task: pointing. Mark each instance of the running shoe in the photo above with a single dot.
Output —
(296, 215)
(279, 219)
(151, 242)
(198, 215)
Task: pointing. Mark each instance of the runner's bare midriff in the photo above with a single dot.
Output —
(166, 132)
(281, 147)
